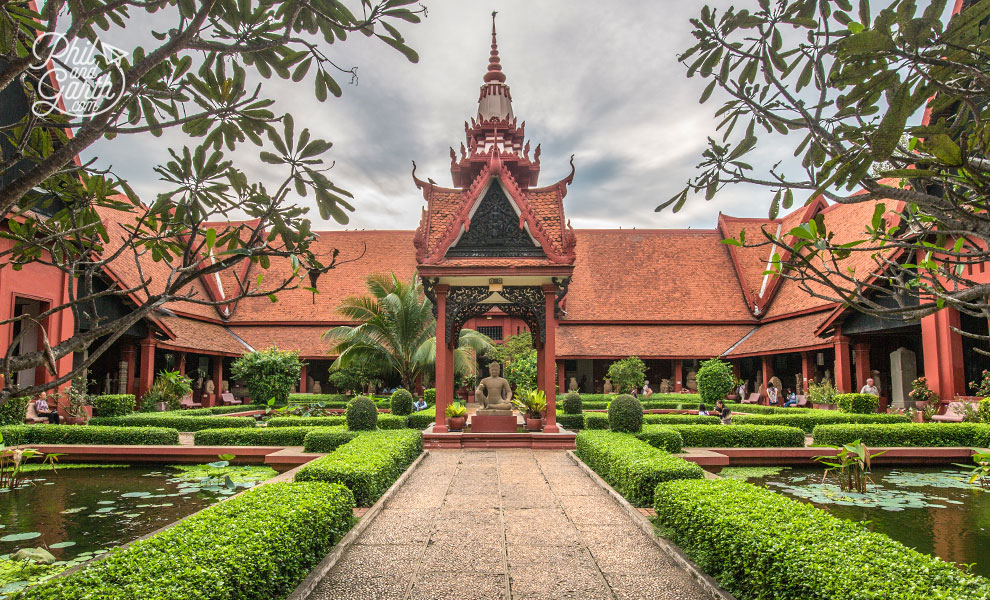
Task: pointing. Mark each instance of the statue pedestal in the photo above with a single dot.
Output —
(493, 423)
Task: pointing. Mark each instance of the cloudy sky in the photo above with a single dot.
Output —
(597, 80)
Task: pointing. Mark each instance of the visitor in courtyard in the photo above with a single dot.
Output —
(647, 391)
(772, 394)
(635, 392)
(792, 398)
(702, 410)
(723, 412)
(41, 407)
(870, 388)
(419, 404)
(741, 390)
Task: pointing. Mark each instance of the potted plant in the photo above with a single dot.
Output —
(456, 416)
(77, 408)
(733, 396)
(924, 398)
(533, 405)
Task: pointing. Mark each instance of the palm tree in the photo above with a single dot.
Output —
(397, 332)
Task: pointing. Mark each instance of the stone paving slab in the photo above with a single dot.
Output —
(504, 524)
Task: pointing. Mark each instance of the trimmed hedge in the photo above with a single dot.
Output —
(401, 402)
(327, 439)
(333, 421)
(422, 419)
(210, 410)
(14, 411)
(863, 404)
(252, 436)
(343, 399)
(572, 422)
(674, 419)
(595, 421)
(392, 421)
(113, 405)
(632, 466)
(905, 434)
(180, 422)
(625, 414)
(88, 434)
(256, 546)
(663, 437)
(430, 396)
(368, 464)
(809, 419)
(740, 436)
(758, 544)
(759, 409)
(572, 404)
(362, 415)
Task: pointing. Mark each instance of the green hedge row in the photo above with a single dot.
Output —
(758, 544)
(89, 434)
(210, 410)
(368, 464)
(256, 546)
(333, 421)
(327, 439)
(674, 419)
(180, 422)
(759, 409)
(252, 436)
(386, 421)
(421, 419)
(740, 436)
(632, 466)
(595, 420)
(663, 437)
(113, 405)
(324, 398)
(809, 419)
(14, 411)
(572, 422)
(905, 434)
(863, 404)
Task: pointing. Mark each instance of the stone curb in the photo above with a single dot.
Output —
(306, 587)
(668, 547)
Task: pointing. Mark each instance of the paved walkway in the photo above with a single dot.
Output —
(503, 524)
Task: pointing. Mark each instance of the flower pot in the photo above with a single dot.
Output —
(534, 424)
(456, 423)
(732, 397)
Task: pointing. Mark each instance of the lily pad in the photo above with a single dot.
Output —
(20, 537)
(135, 495)
(62, 545)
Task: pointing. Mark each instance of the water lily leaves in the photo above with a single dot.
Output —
(20, 537)
(62, 545)
(107, 502)
(136, 495)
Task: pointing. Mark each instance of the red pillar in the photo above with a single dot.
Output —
(862, 352)
(182, 363)
(807, 368)
(550, 358)
(843, 372)
(561, 384)
(943, 354)
(147, 374)
(678, 375)
(128, 354)
(767, 374)
(302, 380)
(218, 377)
(541, 371)
(444, 369)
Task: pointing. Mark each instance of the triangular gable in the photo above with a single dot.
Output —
(495, 227)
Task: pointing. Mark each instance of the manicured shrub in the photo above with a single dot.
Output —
(572, 404)
(256, 546)
(631, 466)
(595, 421)
(254, 436)
(739, 436)
(663, 437)
(983, 411)
(421, 419)
(715, 380)
(88, 434)
(113, 405)
(327, 439)
(180, 422)
(368, 464)
(628, 373)
(572, 422)
(903, 434)
(392, 421)
(674, 419)
(862, 404)
(209, 410)
(14, 411)
(268, 374)
(361, 414)
(328, 400)
(625, 414)
(332, 421)
(759, 409)
(430, 396)
(738, 533)
(808, 419)
(401, 402)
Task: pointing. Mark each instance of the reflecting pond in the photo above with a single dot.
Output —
(934, 510)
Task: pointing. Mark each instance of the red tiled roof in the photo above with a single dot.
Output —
(193, 334)
(654, 341)
(306, 340)
(750, 261)
(654, 275)
(787, 334)
(547, 205)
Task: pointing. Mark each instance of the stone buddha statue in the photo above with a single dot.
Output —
(494, 391)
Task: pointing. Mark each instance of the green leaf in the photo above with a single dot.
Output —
(944, 149)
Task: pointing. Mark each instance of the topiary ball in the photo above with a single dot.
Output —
(572, 404)
(625, 414)
(430, 396)
(361, 414)
(983, 410)
(401, 402)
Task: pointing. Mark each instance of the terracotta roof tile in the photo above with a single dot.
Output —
(192, 334)
(546, 205)
(751, 261)
(786, 334)
(307, 340)
(654, 341)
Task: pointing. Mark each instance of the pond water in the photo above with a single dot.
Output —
(77, 513)
(933, 510)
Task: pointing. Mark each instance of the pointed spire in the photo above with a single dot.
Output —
(494, 68)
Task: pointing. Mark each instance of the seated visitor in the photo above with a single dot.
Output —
(419, 404)
(792, 399)
(702, 410)
(41, 407)
(723, 412)
(870, 388)
(647, 391)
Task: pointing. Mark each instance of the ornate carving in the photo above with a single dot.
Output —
(462, 304)
(429, 285)
(561, 283)
(526, 303)
(495, 230)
